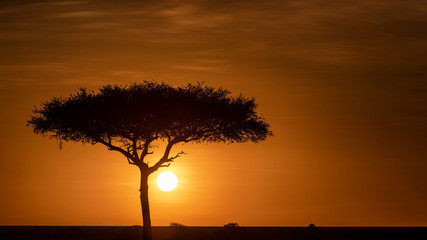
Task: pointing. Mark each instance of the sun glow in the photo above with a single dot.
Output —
(167, 181)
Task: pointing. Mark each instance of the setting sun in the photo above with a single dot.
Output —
(104, 104)
(167, 181)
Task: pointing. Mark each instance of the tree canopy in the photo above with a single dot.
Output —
(128, 118)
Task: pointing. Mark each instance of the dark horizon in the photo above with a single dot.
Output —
(214, 233)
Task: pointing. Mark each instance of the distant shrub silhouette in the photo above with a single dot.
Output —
(312, 225)
(176, 224)
(231, 224)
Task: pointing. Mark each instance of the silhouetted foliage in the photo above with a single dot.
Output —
(128, 119)
(177, 225)
(231, 224)
(150, 110)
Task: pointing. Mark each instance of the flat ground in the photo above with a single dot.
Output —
(211, 233)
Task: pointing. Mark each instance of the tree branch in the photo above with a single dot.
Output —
(165, 165)
(111, 147)
(135, 151)
(145, 149)
(166, 159)
(130, 162)
(176, 156)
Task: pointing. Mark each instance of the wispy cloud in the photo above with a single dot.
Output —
(199, 68)
(189, 17)
(5, 11)
(98, 25)
(213, 64)
(69, 2)
(78, 14)
(129, 74)
(49, 67)
(58, 3)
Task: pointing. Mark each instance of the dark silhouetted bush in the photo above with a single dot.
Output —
(231, 224)
(177, 224)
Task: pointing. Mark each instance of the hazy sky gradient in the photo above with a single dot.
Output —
(342, 83)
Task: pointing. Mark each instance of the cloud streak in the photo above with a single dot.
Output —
(48, 67)
(78, 14)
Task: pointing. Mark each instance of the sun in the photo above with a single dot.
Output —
(167, 181)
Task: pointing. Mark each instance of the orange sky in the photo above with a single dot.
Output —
(342, 83)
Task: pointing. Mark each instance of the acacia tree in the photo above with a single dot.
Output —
(130, 119)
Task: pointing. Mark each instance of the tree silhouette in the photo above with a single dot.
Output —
(129, 119)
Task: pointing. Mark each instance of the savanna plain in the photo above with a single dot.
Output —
(210, 233)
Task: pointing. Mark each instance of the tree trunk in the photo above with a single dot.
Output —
(146, 227)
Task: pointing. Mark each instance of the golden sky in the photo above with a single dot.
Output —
(343, 84)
